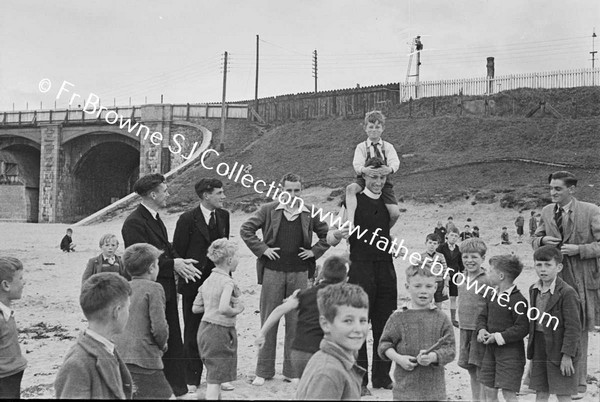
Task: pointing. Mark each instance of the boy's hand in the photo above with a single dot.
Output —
(426, 360)
(384, 170)
(482, 335)
(260, 340)
(369, 171)
(566, 366)
(408, 363)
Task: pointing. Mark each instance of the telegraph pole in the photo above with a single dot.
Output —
(593, 52)
(315, 69)
(256, 80)
(223, 106)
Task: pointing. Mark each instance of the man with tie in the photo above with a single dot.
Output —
(194, 233)
(144, 225)
(574, 227)
(286, 259)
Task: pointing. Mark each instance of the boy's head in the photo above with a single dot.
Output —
(11, 278)
(475, 229)
(504, 229)
(453, 235)
(109, 244)
(532, 213)
(467, 228)
(69, 232)
(335, 269)
(562, 186)
(439, 224)
(450, 219)
(421, 285)
(141, 259)
(374, 182)
(210, 192)
(504, 268)
(374, 125)
(104, 300)
(548, 263)
(473, 253)
(344, 315)
(432, 241)
(223, 253)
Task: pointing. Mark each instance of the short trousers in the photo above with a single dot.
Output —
(503, 366)
(438, 296)
(470, 352)
(300, 360)
(150, 385)
(387, 194)
(545, 376)
(519, 230)
(217, 346)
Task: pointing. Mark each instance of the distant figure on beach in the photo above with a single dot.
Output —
(533, 224)
(519, 223)
(504, 235)
(66, 244)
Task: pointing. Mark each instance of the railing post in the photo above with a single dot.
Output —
(50, 115)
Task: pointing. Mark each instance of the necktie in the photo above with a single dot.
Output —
(163, 228)
(558, 218)
(376, 150)
(212, 223)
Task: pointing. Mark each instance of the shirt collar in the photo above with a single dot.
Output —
(567, 207)
(108, 345)
(152, 212)
(347, 359)
(220, 272)
(510, 289)
(538, 285)
(206, 212)
(6, 311)
(369, 142)
(294, 210)
(371, 194)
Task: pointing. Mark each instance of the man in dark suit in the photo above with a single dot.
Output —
(194, 233)
(145, 226)
(286, 258)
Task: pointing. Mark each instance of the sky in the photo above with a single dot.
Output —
(136, 51)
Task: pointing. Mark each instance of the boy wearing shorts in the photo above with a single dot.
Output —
(441, 294)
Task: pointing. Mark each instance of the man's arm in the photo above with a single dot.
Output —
(592, 249)
(321, 228)
(540, 232)
(181, 238)
(250, 227)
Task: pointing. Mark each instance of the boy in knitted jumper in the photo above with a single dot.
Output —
(409, 332)
(501, 326)
(12, 362)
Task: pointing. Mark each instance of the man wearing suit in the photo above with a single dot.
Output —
(574, 227)
(194, 233)
(285, 261)
(145, 226)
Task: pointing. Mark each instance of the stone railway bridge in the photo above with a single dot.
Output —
(63, 165)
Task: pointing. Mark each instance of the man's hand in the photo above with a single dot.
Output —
(483, 335)
(569, 249)
(426, 360)
(490, 339)
(408, 363)
(342, 233)
(550, 240)
(566, 366)
(271, 253)
(305, 254)
(185, 269)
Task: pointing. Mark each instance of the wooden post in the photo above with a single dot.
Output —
(256, 79)
(223, 107)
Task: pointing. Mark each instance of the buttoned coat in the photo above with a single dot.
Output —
(582, 227)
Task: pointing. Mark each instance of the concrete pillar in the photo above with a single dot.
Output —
(51, 135)
(155, 158)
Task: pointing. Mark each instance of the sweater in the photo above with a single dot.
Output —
(409, 331)
(11, 359)
(289, 240)
(470, 302)
(209, 297)
(146, 333)
(374, 220)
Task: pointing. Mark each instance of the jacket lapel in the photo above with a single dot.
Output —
(570, 223)
(556, 296)
(276, 215)
(201, 224)
(153, 224)
(103, 363)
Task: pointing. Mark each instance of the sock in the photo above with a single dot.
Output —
(453, 314)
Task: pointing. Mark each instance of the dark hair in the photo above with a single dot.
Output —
(138, 258)
(70, 230)
(450, 218)
(475, 227)
(340, 294)
(467, 226)
(207, 186)
(144, 185)
(508, 264)
(419, 270)
(290, 177)
(567, 177)
(375, 162)
(102, 291)
(532, 213)
(334, 269)
(8, 267)
(548, 253)
(432, 237)
(504, 227)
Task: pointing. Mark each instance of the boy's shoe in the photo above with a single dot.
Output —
(227, 386)
(291, 380)
(364, 391)
(258, 381)
(192, 388)
(579, 396)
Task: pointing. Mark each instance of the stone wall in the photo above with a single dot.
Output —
(15, 203)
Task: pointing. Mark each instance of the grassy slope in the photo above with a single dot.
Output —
(447, 149)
